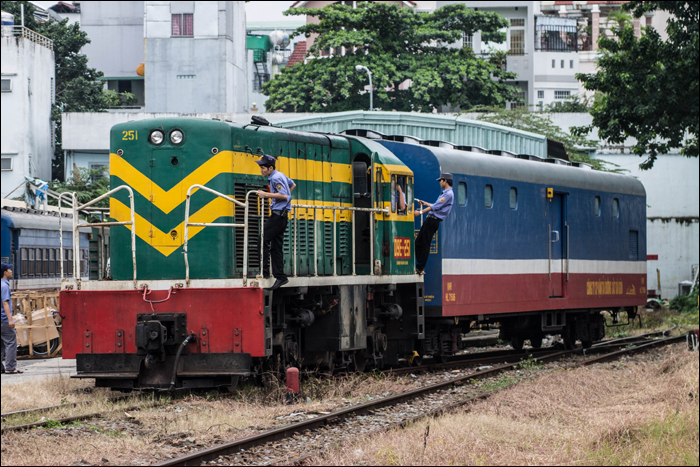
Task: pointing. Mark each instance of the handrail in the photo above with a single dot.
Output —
(198, 224)
(60, 222)
(77, 225)
(372, 212)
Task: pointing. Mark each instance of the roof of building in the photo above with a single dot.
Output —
(65, 7)
(298, 54)
(458, 130)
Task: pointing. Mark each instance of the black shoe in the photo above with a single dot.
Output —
(279, 283)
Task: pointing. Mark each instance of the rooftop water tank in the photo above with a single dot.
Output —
(8, 21)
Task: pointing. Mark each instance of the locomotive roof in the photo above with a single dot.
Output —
(38, 221)
(528, 171)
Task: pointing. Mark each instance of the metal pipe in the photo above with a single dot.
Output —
(316, 243)
(296, 227)
(261, 208)
(371, 244)
(549, 249)
(186, 240)
(335, 255)
(353, 243)
(566, 224)
(60, 223)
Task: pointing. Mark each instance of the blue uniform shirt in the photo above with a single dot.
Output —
(441, 208)
(6, 296)
(279, 183)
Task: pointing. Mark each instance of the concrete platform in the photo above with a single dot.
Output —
(37, 370)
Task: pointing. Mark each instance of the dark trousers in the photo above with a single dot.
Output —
(9, 348)
(425, 236)
(273, 244)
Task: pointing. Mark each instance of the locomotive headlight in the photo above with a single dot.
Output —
(176, 137)
(156, 137)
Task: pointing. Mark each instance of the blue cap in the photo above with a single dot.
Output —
(5, 267)
(266, 160)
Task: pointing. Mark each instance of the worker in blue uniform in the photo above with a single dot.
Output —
(438, 212)
(280, 192)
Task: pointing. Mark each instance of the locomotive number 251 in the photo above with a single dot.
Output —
(130, 135)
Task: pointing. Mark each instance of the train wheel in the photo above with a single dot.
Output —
(587, 344)
(569, 336)
(536, 342)
(359, 363)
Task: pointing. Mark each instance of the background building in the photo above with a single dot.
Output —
(28, 90)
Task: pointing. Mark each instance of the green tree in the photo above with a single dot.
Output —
(88, 184)
(77, 87)
(400, 47)
(540, 123)
(649, 87)
(575, 103)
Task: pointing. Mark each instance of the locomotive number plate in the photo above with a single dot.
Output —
(402, 248)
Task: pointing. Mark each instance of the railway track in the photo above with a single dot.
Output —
(354, 420)
(469, 360)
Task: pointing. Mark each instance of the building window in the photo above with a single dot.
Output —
(554, 63)
(6, 164)
(596, 206)
(571, 64)
(517, 22)
(517, 42)
(488, 196)
(540, 94)
(513, 198)
(462, 193)
(45, 262)
(562, 94)
(98, 166)
(182, 24)
(562, 63)
(469, 41)
(52, 262)
(616, 208)
(7, 85)
(30, 262)
(84, 263)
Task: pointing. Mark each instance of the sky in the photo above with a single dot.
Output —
(255, 11)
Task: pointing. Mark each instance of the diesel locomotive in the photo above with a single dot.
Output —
(541, 247)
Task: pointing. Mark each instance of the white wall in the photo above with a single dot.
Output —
(26, 110)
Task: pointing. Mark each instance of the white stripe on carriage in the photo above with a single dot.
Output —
(539, 266)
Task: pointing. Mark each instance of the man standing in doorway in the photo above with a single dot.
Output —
(9, 336)
(273, 237)
(438, 212)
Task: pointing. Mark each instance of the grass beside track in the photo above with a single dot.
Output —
(639, 411)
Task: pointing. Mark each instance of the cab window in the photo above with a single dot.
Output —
(399, 190)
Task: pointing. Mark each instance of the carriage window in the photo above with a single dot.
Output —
(24, 263)
(409, 193)
(393, 193)
(45, 262)
(52, 262)
(596, 206)
(488, 196)
(616, 208)
(462, 193)
(67, 264)
(84, 263)
(30, 262)
(513, 198)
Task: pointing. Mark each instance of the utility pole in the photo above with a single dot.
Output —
(371, 89)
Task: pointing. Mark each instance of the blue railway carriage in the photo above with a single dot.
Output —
(31, 243)
(540, 245)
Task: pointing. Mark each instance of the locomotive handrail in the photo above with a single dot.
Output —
(60, 222)
(372, 211)
(201, 224)
(77, 225)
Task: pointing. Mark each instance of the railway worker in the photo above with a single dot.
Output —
(9, 336)
(400, 195)
(438, 212)
(281, 189)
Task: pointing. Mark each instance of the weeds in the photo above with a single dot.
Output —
(531, 364)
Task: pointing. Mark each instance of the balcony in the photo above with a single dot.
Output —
(21, 31)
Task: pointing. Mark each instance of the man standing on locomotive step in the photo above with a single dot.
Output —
(273, 236)
(438, 212)
(9, 337)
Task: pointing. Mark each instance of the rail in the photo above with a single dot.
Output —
(372, 212)
(21, 31)
(189, 224)
(77, 225)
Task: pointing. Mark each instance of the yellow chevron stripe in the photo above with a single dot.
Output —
(164, 241)
(223, 162)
